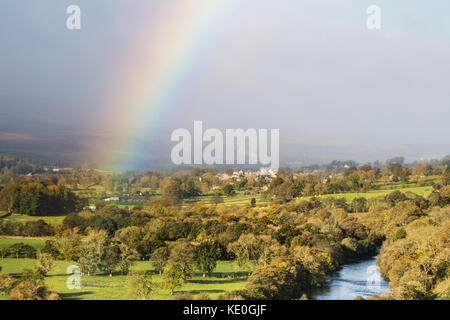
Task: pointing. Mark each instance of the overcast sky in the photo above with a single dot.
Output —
(335, 89)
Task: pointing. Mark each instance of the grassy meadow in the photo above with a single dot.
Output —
(53, 221)
(226, 277)
(37, 243)
(422, 191)
(242, 198)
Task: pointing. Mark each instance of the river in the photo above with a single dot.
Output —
(361, 278)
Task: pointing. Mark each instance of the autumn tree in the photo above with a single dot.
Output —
(396, 171)
(183, 257)
(208, 251)
(446, 177)
(92, 252)
(216, 199)
(67, 240)
(359, 204)
(110, 259)
(8, 197)
(172, 190)
(7, 282)
(159, 259)
(267, 249)
(140, 285)
(245, 249)
(28, 290)
(318, 263)
(228, 190)
(270, 283)
(45, 264)
(172, 279)
(128, 256)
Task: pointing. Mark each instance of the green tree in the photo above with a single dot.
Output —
(270, 283)
(32, 275)
(404, 175)
(446, 177)
(131, 236)
(128, 256)
(8, 197)
(140, 284)
(67, 240)
(172, 190)
(183, 257)
(359, 205)
(159, 259)
(228, 190)
(172, 279)
(208, 251)
(89, 260)
(46, 263)
(318, 264)
(110, 259)
(267, 249)
(91, 254)
(39, 199)
(246, 248)
(51, 247)
(216, 199)
(396, 170)
(20, 250)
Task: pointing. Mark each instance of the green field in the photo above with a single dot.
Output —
(226, 277)
(422, 191)
(401, 184)
(240, 199)
(37, 243)
(24, 218)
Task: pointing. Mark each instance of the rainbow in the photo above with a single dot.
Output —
(158, 67)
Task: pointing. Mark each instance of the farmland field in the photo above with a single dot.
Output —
(37, 243)
(225, 278)
(422, 191)
(51, 220)
(240, 199)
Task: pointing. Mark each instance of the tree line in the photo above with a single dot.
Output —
(36, 198)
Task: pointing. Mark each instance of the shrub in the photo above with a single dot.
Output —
(234, 295)
(6, 283)
(183, 296)
(51, 247)
(399, 234)
(271, 283)
(140, 284)
(74, 254)
(21, 250)
(203, 296)
(27, 290)
(38, 228)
